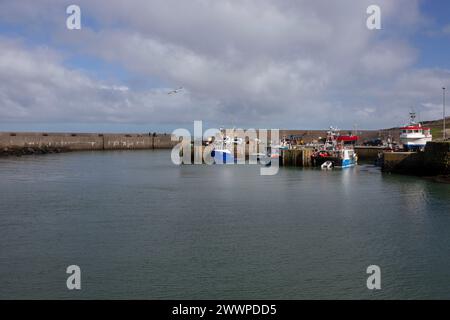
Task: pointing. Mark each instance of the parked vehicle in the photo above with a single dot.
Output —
(373, 142)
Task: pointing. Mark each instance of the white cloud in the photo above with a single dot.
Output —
(388, 58)
(289, 63)
(37, 87)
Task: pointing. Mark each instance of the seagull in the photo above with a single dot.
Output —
(175, 91)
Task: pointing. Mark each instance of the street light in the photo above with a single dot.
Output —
(443, 112)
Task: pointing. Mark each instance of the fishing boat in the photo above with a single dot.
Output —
(413, 136)
(283, 145)
(222, 155)
(275, 148)
(223, 151)
(337, 151)
(259, 153)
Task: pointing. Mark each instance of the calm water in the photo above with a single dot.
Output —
(140, 227)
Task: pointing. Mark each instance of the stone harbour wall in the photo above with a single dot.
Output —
(434, 160)
(437, 157)
(26, 142)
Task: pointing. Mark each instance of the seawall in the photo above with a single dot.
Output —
(82, 141)
(368, 152)
(437, 158)
(433, 161)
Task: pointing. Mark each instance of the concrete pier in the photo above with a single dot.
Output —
(82, 141)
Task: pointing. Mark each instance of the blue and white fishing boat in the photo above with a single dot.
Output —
(223, 151)
(337, 152)
(222, 156)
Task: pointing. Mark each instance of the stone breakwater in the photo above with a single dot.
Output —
(28, 151)
(23, 143)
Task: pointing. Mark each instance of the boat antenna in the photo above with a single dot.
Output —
(412, 115)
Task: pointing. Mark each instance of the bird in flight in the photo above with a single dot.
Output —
(175, 91)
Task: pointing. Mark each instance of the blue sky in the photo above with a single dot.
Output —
(274, 64)
(435, 48)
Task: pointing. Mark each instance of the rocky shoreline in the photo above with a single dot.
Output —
(18, 152)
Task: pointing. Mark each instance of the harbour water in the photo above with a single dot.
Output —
(140, 227)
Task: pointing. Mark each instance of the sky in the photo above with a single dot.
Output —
(287, 64)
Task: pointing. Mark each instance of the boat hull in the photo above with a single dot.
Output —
(222, 157)
(337, 162)
(412, 147)
(414, 141)
(346, 163)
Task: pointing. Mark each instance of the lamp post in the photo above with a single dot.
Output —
(443, 113)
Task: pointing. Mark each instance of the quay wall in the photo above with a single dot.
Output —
(51, 140)
(296, 157)
(368, 152)
(84, 141)
(403, 162)
(437, 157)
(163, 141)
(128, 141)
(434, 160)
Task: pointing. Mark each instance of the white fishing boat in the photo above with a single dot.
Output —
(413, 136)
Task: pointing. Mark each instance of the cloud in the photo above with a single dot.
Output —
(297, 64)
(37, 87)
(388, 58)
